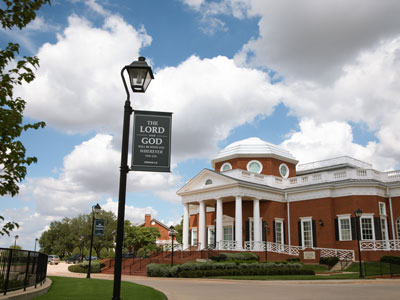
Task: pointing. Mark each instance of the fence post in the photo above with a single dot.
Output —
(35, 262)
(27, 270)
(365, 269)
(381, 268)
(390, 270)
(8, 270)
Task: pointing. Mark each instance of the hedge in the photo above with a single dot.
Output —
(83, 267)
(330, 261)
(241, 256)
(391, 259)
(225, 268)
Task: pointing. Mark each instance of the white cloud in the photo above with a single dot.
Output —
(319, 141)
(133, 214)
(90, 172)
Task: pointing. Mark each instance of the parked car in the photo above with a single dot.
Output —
(53, 259)
(74, 259)
(93, 258)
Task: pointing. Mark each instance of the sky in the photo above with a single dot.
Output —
(318, 78)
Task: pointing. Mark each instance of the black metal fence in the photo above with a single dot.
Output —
(381, 269)
(20, 269)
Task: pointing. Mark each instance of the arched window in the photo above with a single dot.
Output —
(398, 228)
(226, 167)
(208, 181)
(254, 166)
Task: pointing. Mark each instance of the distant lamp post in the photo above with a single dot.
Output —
(266, 242)
(15, 241)
(358, 214)
(82, 239)
(140, 75)
(36, 240)
(95, 209)
(172, 234)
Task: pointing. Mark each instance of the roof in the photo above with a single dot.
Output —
(156, 221)
(253, 147)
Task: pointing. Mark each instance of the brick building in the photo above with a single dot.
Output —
(258, 198)
(164, 238)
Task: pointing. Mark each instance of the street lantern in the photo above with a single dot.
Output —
(172, 234)
(140, 75)
(95, 209)
(36, 240)
(358, 214)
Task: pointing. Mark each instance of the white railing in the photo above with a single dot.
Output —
(227, 245)
(382, 245)
(177, 247)
(320, 177)
(342, 254)
(332, 162)
(272, 247)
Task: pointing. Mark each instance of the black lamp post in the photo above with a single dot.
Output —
(34, 249)
(140, 75)
(82, 239)
(172, 234)
(358, 214)
(95, 209)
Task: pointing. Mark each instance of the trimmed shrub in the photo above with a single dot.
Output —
(330, 261)
(242, 256)
(83, 267)
(391, 259)
(156, 270)
(293, 259)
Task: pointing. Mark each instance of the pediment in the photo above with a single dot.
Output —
(206, 179)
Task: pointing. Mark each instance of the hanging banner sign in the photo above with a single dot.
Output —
(99, 227)
(151, 148)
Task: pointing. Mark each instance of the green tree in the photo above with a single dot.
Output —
(13, 159)
(139, 237)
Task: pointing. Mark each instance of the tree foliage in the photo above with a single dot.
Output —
(140, 237)
(13, 159)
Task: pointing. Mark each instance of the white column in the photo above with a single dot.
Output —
(220, 232)
(256, 219)
(238, 223)
(185, 231)
(202, 225)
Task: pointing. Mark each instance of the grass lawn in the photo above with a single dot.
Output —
(96, 289)
(370, 268)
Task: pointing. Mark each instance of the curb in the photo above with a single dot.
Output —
(30, 292)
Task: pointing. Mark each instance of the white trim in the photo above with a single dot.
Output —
(279, 219)
(287, 168)
(282, 235)
(303, 221)
(257, 162)
(383, 204)
(371, 217)
(347, 217)
(386, 229)
(194, 229)
(225, 164)
(209, 228)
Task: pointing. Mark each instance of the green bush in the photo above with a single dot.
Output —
(391, 259)
(242, 256)
(95, 267)
(293, 259)
(330, 261)
(226, 268)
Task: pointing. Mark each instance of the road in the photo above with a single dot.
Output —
(215, 289)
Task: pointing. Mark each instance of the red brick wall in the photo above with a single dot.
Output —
(270, 165)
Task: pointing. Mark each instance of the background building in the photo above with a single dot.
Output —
(258, 198)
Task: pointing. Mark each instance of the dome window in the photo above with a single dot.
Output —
(208, 181)
(284, 170)
(226, 167)
(254, 166)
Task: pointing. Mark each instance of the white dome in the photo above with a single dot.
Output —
(253, 147)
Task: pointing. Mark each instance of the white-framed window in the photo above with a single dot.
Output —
(228, 233)
(367, 228)
(344, 228)
(254, 166)
(382, 208)
(279, 234)
(193, 242)
(211, 235)
(284, 170)
(307, 233)
(226, 167)
(398, 228)
(251, 229)
(384, 229)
